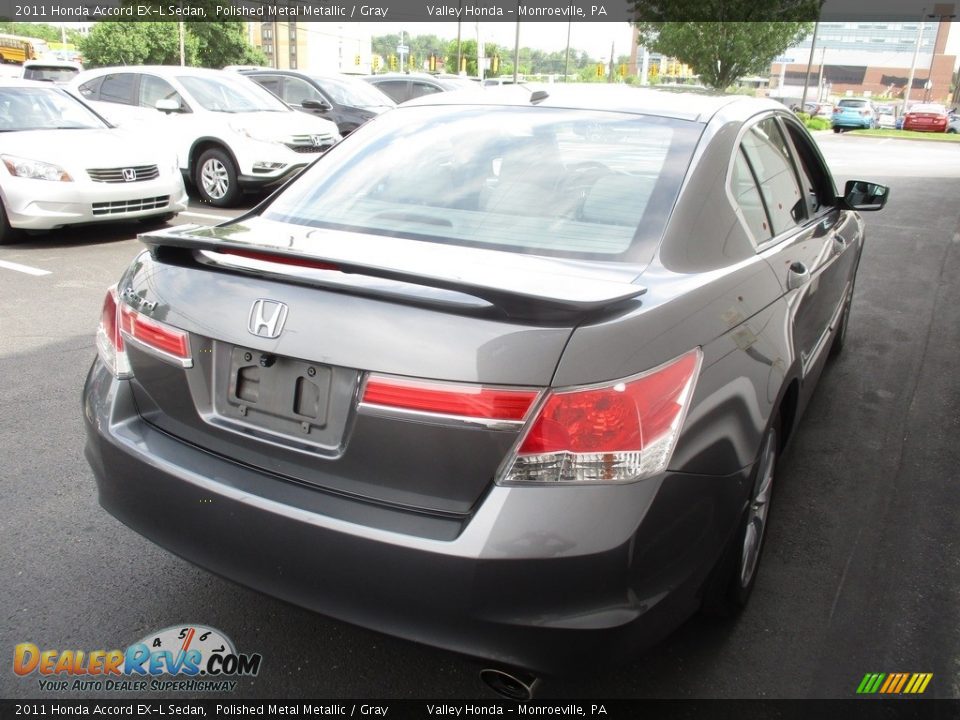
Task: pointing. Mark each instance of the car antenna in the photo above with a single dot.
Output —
(538, 96)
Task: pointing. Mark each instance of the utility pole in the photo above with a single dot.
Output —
(516, 49)
(566, 57)
(913, 65)
(182, 53)
(806, 77)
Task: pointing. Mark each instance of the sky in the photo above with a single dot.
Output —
(594, 37)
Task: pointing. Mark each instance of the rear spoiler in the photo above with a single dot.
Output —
(534, 291)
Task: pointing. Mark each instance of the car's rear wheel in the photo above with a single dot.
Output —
(732, 582)
(836, 129)
(216, 178)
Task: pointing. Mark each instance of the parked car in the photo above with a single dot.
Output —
(62, 165)
(926, 117)
(854, 113)
(60, 72)
(485, 379)
(347, 101)
(818, 109)
(953, 124)
(887, 116)
(401, 87)
(232, 136)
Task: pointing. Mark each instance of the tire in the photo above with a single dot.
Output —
(216, 178)
(734, 577)
(836, 129)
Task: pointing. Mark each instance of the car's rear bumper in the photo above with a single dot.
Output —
(852, 122)
(551, 579)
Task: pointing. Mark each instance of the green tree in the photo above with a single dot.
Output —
(224, 43)
(41, 31)
(136, 43)
(722, 52)
(208, 44)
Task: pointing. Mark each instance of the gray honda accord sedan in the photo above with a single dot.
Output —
(504, 372)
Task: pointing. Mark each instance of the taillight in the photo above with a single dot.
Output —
(616, 432)
(167, 342)
(476, 402)
(865, 112)
(109, 342)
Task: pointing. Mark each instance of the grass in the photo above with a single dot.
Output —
(907, 135)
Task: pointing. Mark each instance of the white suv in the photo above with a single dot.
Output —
(230, 134)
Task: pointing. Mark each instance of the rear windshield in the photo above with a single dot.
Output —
(852, 103)
(566, 183)
(50, 73)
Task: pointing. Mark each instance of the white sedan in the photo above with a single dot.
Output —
(61, 164)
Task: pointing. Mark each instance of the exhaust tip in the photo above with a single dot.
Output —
(510, 684)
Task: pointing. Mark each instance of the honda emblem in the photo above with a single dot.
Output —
(129, 174)
(267, 318)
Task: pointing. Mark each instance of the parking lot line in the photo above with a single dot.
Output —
(23, 268)
(208, 216)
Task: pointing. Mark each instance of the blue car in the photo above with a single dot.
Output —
(852, 113)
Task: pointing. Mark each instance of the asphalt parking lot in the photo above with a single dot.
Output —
(861, 572)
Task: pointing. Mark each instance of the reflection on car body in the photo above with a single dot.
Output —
(504, 372)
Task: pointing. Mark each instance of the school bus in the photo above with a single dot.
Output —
(17, 49)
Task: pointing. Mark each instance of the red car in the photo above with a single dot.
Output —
(927, 117)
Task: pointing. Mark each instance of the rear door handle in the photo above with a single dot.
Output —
(797, 275)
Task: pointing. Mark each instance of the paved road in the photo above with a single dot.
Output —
(861, 573)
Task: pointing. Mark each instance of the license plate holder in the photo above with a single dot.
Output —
(280, 395)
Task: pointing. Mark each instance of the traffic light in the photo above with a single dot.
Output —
(463, 64)
(412, 62)
(623, 70)
(393, 62)
(599, 69)
(356, 59)
(433, 63)
(495, 64)
(375, 62)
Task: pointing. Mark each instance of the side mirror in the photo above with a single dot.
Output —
(865, 196)
(315, 105)
(167, 105)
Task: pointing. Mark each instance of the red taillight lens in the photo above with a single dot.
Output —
(440, 398)
(615, 433)
(109, 343)
(168, 342)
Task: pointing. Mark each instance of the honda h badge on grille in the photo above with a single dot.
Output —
(267, 318)
(129, 174)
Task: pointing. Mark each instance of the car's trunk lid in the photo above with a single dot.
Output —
(290, 404)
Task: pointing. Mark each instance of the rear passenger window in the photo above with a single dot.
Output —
(766, 150)
(89, 89)
(747, 197)
(118, 88)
